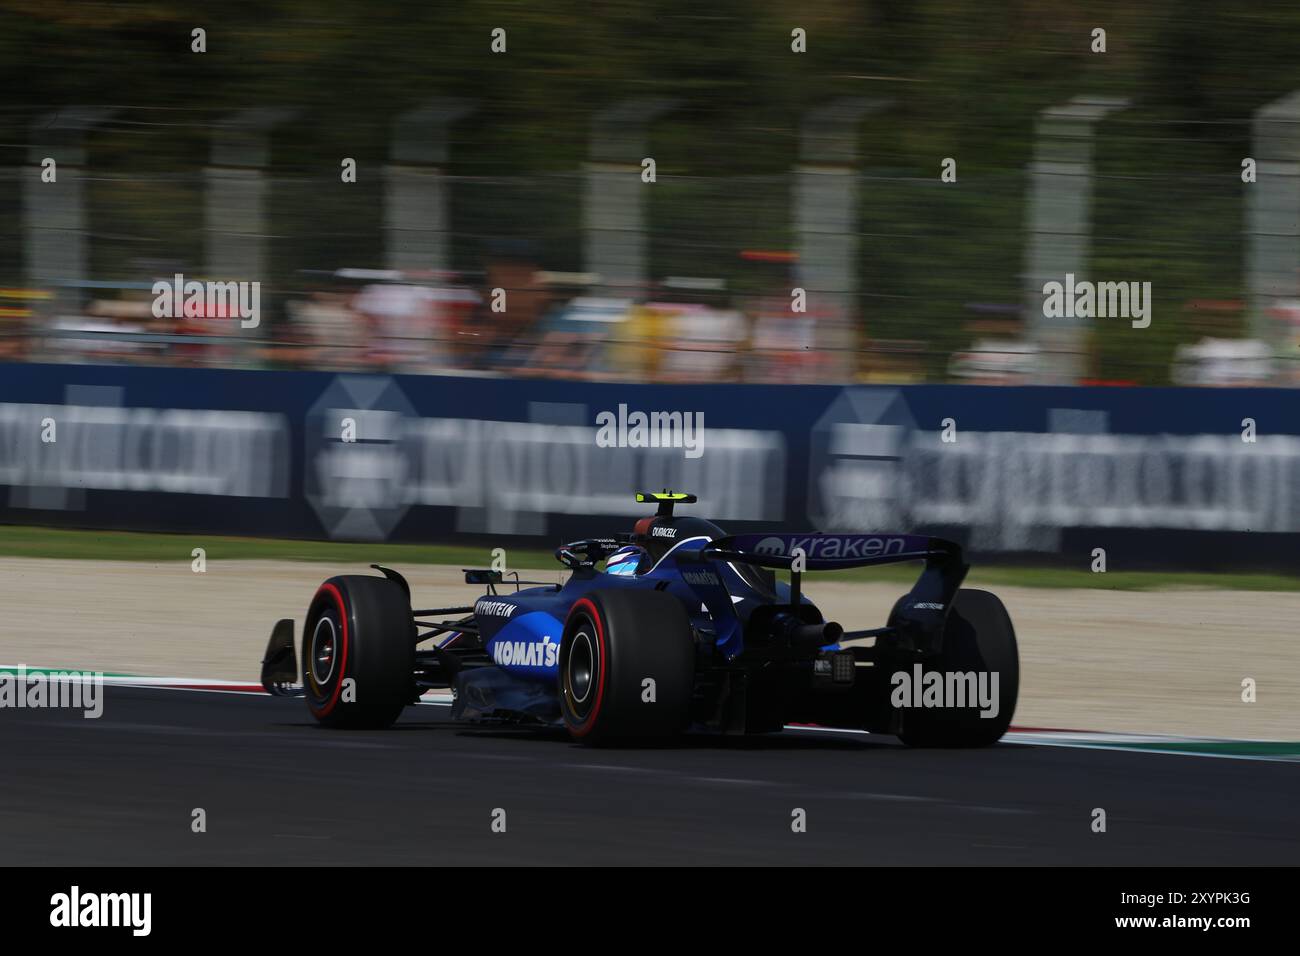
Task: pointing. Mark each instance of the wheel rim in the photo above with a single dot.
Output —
(581, 670)
(324, 651)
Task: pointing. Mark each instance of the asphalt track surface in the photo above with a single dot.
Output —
(277, 789)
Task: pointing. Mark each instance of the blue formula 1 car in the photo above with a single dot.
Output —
(685, 628)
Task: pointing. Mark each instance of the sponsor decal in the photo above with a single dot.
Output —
(701, 578)
(172, 450)
(833, 546)
(502, 477)
(663, 532)
(871, 465)
(494, 608)
(359, 458)
(526, 653)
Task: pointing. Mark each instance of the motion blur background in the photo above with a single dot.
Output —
(774, 170)
(522, 170)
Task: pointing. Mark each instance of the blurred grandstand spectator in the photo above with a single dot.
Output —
(508, 324)
(331, 335)
(399, 320)
(1000, 354)
(581, 334)
(18, 316)
(995, 362)
(700, 340)
(682, 329)
(1223, 362)
(114, 329)
(783, 340)
(1219, 354)
(1288, 315)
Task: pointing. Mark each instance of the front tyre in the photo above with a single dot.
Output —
(358, 652)
(978, 639)
(627, 666)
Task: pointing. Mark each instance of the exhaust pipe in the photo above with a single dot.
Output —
(816, 634)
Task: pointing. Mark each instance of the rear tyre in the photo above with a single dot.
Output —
(978, 638)
(358, 652)
(627, 667)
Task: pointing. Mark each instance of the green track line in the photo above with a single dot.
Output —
(1284, 749)
(13, 670)
(1241, 748)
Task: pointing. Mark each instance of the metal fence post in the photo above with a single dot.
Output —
(56, 245)
(1060, 228)
(826, 224)
(236, 194)
(416, 217)
(614, 228)
(1273, 216)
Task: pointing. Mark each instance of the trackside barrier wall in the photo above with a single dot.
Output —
(1205, 478)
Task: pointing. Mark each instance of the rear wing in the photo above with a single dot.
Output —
(830, 552)
(919, 615)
